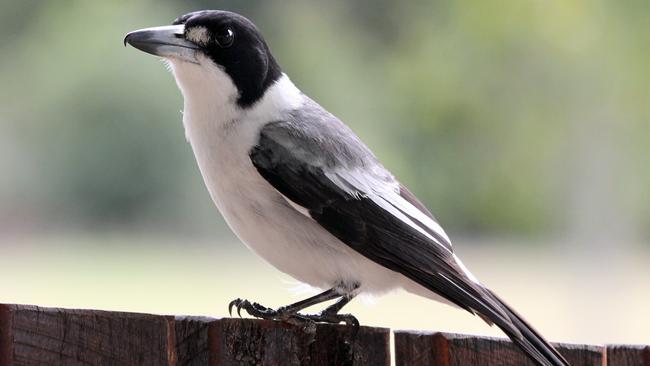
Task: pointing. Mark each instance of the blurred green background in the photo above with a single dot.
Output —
(522, 124)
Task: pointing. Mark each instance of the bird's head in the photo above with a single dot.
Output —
(213, 51)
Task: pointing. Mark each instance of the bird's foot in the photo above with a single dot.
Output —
(332, 318)
(256, 310)
(260, 311)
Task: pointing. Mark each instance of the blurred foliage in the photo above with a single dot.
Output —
(505, 117)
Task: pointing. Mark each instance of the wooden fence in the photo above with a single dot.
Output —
(31, 335)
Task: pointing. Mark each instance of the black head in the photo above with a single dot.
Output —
(229, 40)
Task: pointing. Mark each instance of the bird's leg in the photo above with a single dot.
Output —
(284, 312)
(331, 313)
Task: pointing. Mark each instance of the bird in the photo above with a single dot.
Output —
(302, 191)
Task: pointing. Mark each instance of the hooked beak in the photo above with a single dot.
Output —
(165, 41)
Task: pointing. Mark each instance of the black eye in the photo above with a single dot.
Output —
(225, 37)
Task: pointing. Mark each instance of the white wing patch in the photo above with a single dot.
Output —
(388, 206)
(465, 270)
(408, 208)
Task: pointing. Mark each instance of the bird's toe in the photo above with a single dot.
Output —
(252, 308)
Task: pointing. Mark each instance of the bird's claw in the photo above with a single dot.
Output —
(236, 303)
(253, 309)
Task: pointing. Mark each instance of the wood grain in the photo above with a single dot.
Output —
(47, 336)
(6, 335)
(31, 335)
(260, 342)
(628, 355)
(448, 349)
(191, 340)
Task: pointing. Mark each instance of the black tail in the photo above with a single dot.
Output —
(527, 338)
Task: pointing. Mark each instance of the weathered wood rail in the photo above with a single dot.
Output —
(31, 335)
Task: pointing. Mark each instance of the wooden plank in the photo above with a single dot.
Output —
(31, 335)
(38, 336)
(261, 342)
(628, 355)
(420, 348)
(447, 349)
(233, 341)
(6, 335)
(582, 354)
(192, 340)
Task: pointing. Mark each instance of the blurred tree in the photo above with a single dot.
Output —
(498, 114)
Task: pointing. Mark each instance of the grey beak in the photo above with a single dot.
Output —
(165, 41)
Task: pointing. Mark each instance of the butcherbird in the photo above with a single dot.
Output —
(301, 190)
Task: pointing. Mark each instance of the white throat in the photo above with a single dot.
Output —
(222, 133)
(210, 99)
